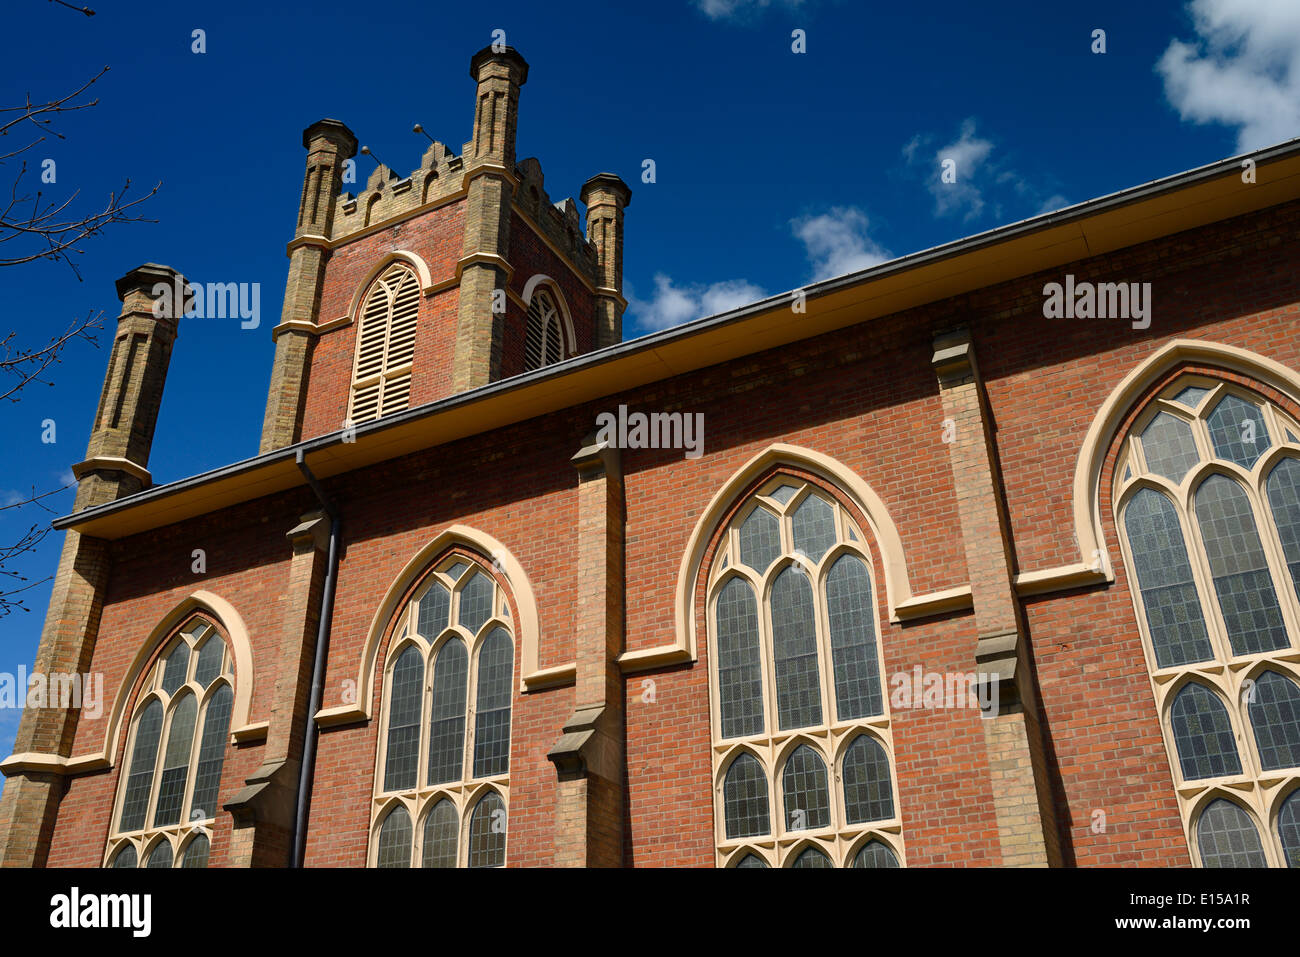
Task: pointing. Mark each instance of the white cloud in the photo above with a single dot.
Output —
(1051, 204)
(671, 304)
(740, 9)
(981, 184)
(837, 243)
(969, 154)
(1242, 70)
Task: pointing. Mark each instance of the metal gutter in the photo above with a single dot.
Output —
(675, 335)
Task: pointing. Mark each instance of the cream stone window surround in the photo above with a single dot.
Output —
(197, 635)
(242, 730)
(525, 631)
(1094, 563)
(453, 573)
(569, 341)
(832, 737)
(1259, 792)
(903, 605)
(383, 361)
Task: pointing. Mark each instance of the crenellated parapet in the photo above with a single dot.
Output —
(386, 198)
(559, 222)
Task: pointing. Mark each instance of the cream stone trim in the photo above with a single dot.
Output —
(32, 762)
(311, 328)
(1058, 579)
(525, 631)
(308, 239)
(898, 590)
(250, 733)
(240, 649)
(81, 469)
(831, 738)
(494, 260)
(935, 603)
(179, 836)
(488, 168)
(1088, 531)
(464, 799)
(1260, 793)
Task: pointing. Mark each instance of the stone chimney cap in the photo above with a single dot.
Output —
(507, 55)
(611, 182)
(336, 128)
(146, 277)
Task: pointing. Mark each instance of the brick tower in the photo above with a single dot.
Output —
(116, 465)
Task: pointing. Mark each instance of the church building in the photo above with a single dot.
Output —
(987, 555)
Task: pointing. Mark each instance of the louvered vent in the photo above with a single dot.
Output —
(381, 381)
(542, 336)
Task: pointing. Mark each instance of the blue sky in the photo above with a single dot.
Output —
(772, 167)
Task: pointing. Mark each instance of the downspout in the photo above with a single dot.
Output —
(311, 732)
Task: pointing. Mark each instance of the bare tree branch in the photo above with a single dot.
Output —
(26, 366)
(51, 230)
(42, 227)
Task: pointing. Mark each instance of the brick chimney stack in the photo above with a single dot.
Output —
(606, 196)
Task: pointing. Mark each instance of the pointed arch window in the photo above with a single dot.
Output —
(443, 774)
(381, 373)
(802, 744)
(1207, 502)
(169, 793)
(544, 332)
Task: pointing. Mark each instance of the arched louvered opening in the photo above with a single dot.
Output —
(381, 378)
(544, 333)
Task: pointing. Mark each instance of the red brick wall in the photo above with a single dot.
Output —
(530, 255)
(865, 396)
(436, 237)
(247, 558)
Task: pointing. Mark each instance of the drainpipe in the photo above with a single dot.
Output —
(311, 732)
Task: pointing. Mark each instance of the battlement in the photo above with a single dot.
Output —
(482, 234)
(559, 222)
(441, 177)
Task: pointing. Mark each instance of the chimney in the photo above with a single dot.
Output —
(606, 196)
(117, 455)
